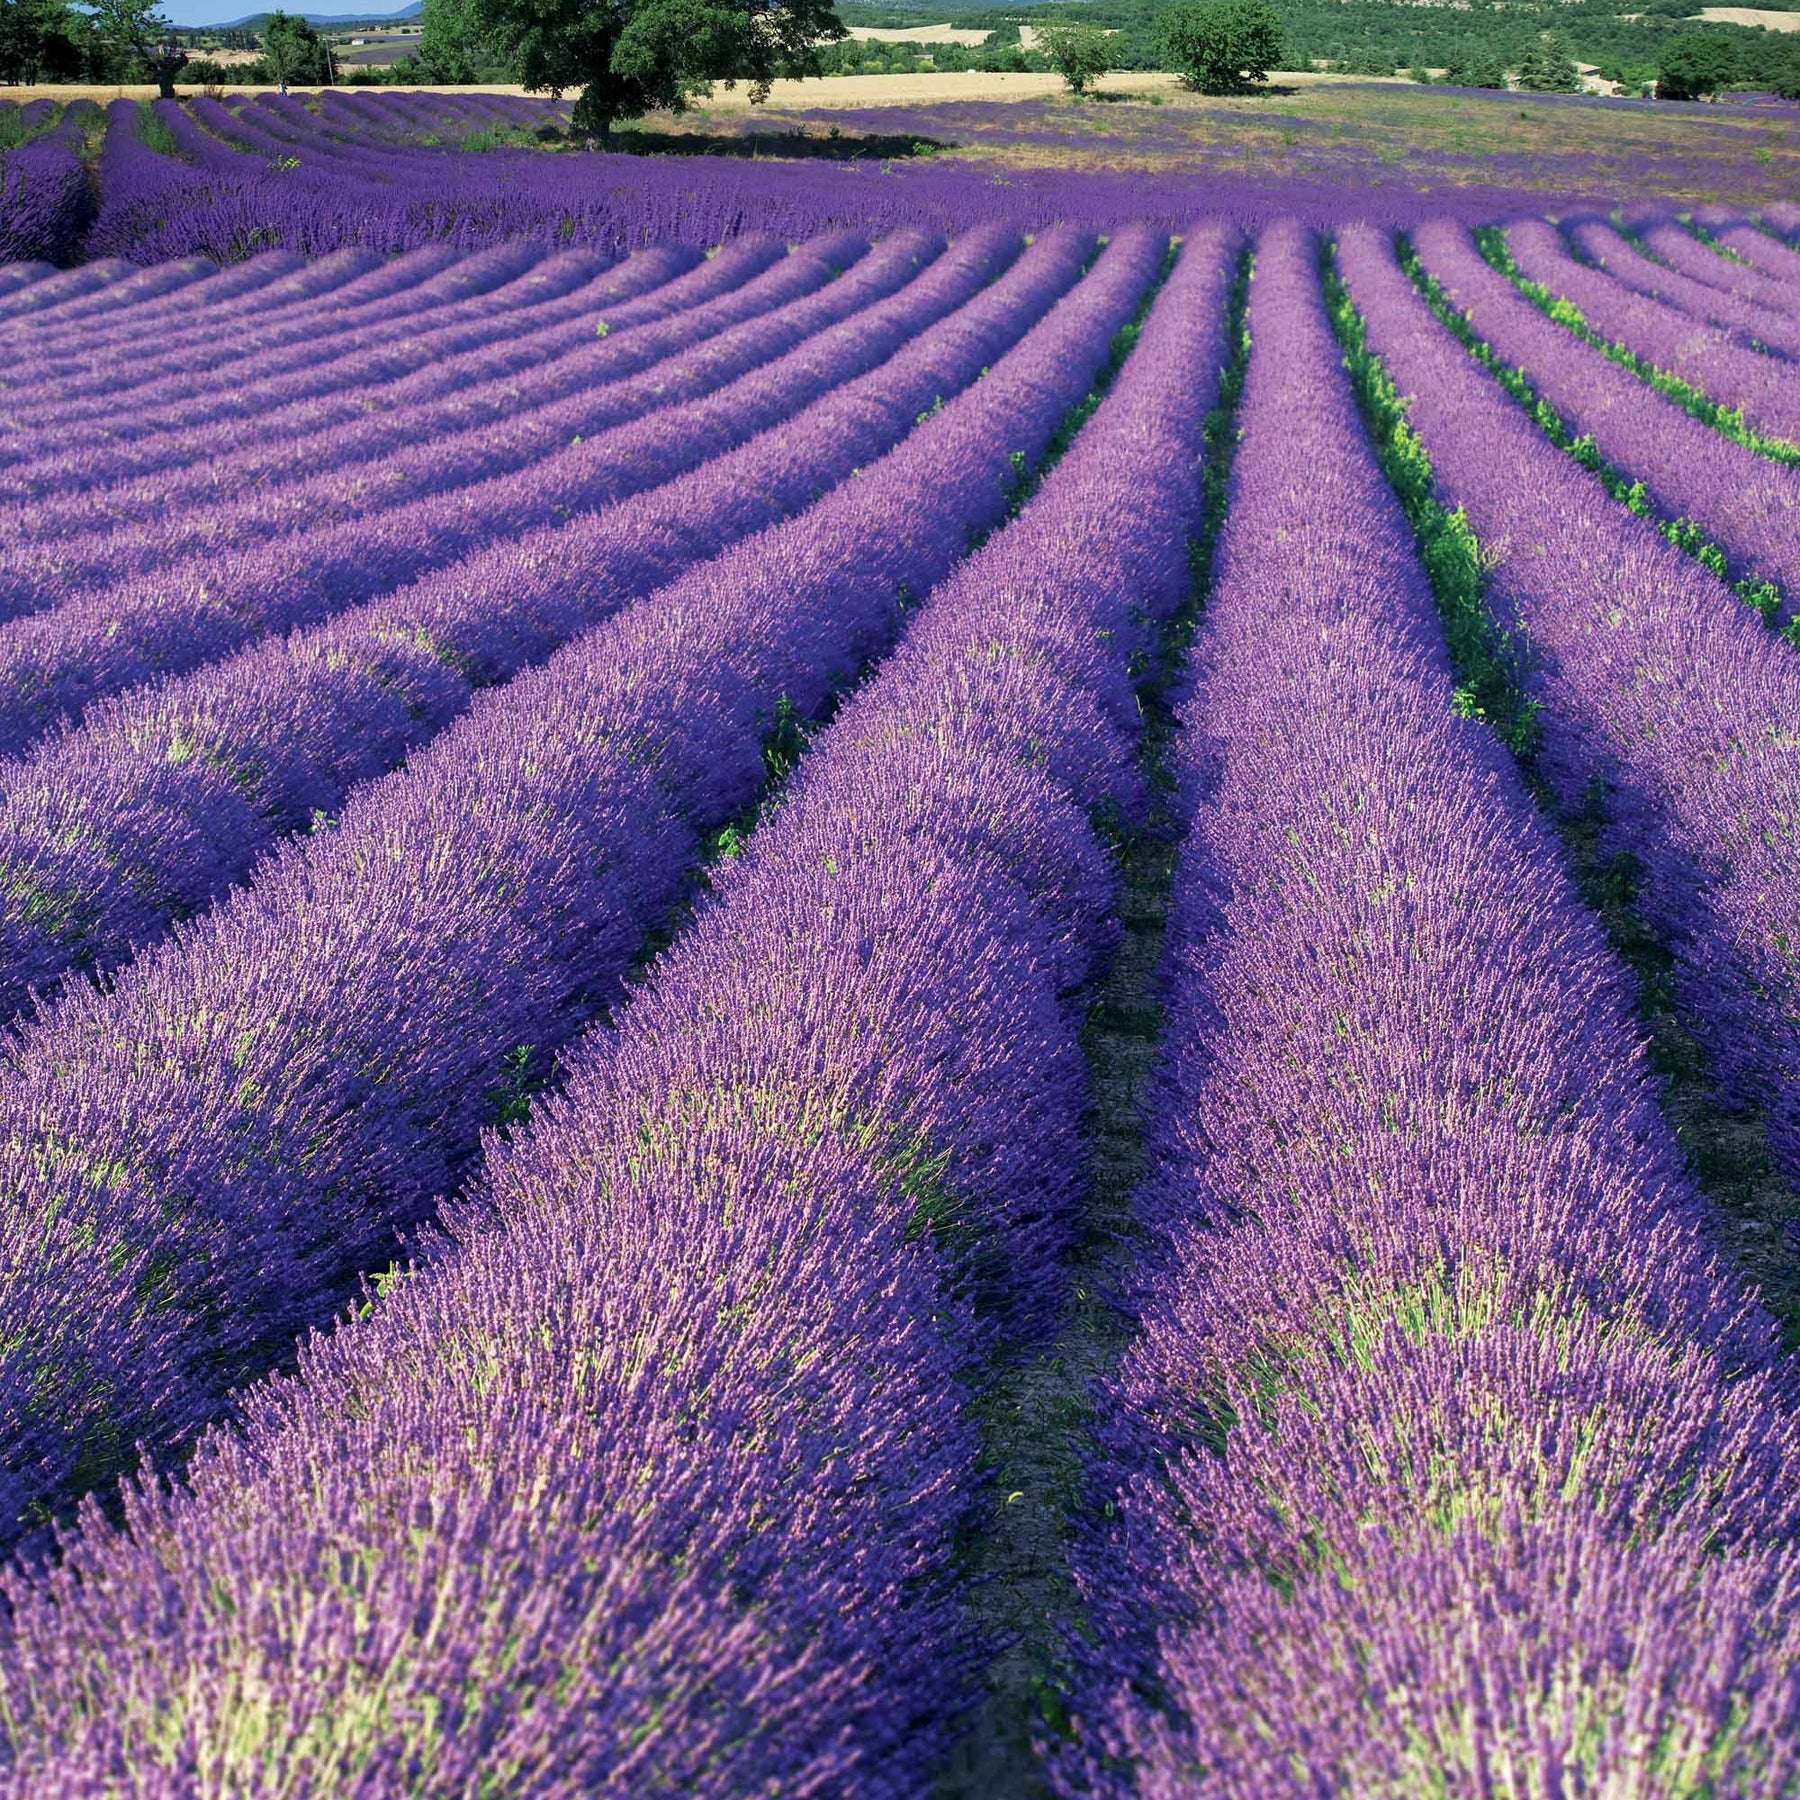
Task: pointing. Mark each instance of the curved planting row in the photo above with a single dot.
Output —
(1649, 679)
(250, 1116)
(147, 359)
(497, 432)
(243, 289)
(88, 484)
(321, 392)
(1758, 248)
(1765, 389)
(1718, 264)
(681, 1445)
(53, 294)
(1445, 1459)
(645, 289)
(1747, 505)
(164, 798)
(19, 275)
(1664, 277)
(54, 664)
(45, 201)
(141, 322)
(40, 346)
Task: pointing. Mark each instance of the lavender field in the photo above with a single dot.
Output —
(822, 979)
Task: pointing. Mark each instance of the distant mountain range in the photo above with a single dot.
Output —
(336, 20)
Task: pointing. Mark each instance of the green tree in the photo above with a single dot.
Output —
(37, 41)
(296, 54)
(454, 46)
(1220, 46)
(136, 38)
(1080, 53)
(1695, 65)
(1548, 68)
(629, 57)
(1477, 66)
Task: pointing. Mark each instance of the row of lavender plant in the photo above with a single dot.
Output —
(140, 354)
(1445, 1458)
(1764, 389)
(1693, 476)
(17, 275)
(60, 291)
(81, 489)
(224, 202)
(293, 1080)
(284, 409)
(162, 799)
(1650, 683)
(161, 287)
(62, 326)
(1759, 248)
(241, 279)
(55, 663)
(1653, 258)
(444, 300)
(684, 1453)
(1714, 263)
(45, 200)
(484, 430)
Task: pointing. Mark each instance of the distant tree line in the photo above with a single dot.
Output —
(109, 41)
(291, 54)
(1480, 43)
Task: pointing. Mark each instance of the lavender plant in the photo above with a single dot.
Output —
(1691, 475)
(1445, 1455)
(325, 1040)
(1655, 691)
(1765, 389)
(698, 1536)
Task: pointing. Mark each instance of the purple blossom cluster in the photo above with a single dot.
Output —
(1445, 1457)
(1662, 277)
(291, 409)
(80, 638)
(653, 1485)
(45, 202)
(163, 798)
(252, 1114)
(1652, 681)
(1761, 249)
(1722, 365)
(357, 170)
(1750, 506)
(1717, 264)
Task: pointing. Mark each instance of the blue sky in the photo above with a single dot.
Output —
(189, 13)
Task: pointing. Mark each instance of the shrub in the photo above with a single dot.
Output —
(1220, 46)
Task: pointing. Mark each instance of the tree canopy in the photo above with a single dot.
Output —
(628, 57)
(139, 38)
(39, 41)
(1220, 46)
(1080, 53)
(1695, 66)
(1477, 65)
(1548, 68)
(295, 53)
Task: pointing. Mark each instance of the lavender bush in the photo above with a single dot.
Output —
(1652, 681)
(1765, 389)
(178, 790)
(314, 1089)
(1662, 277)
(1747, 505)
(715, 1517)
(45, 201)
(1445, 1457)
